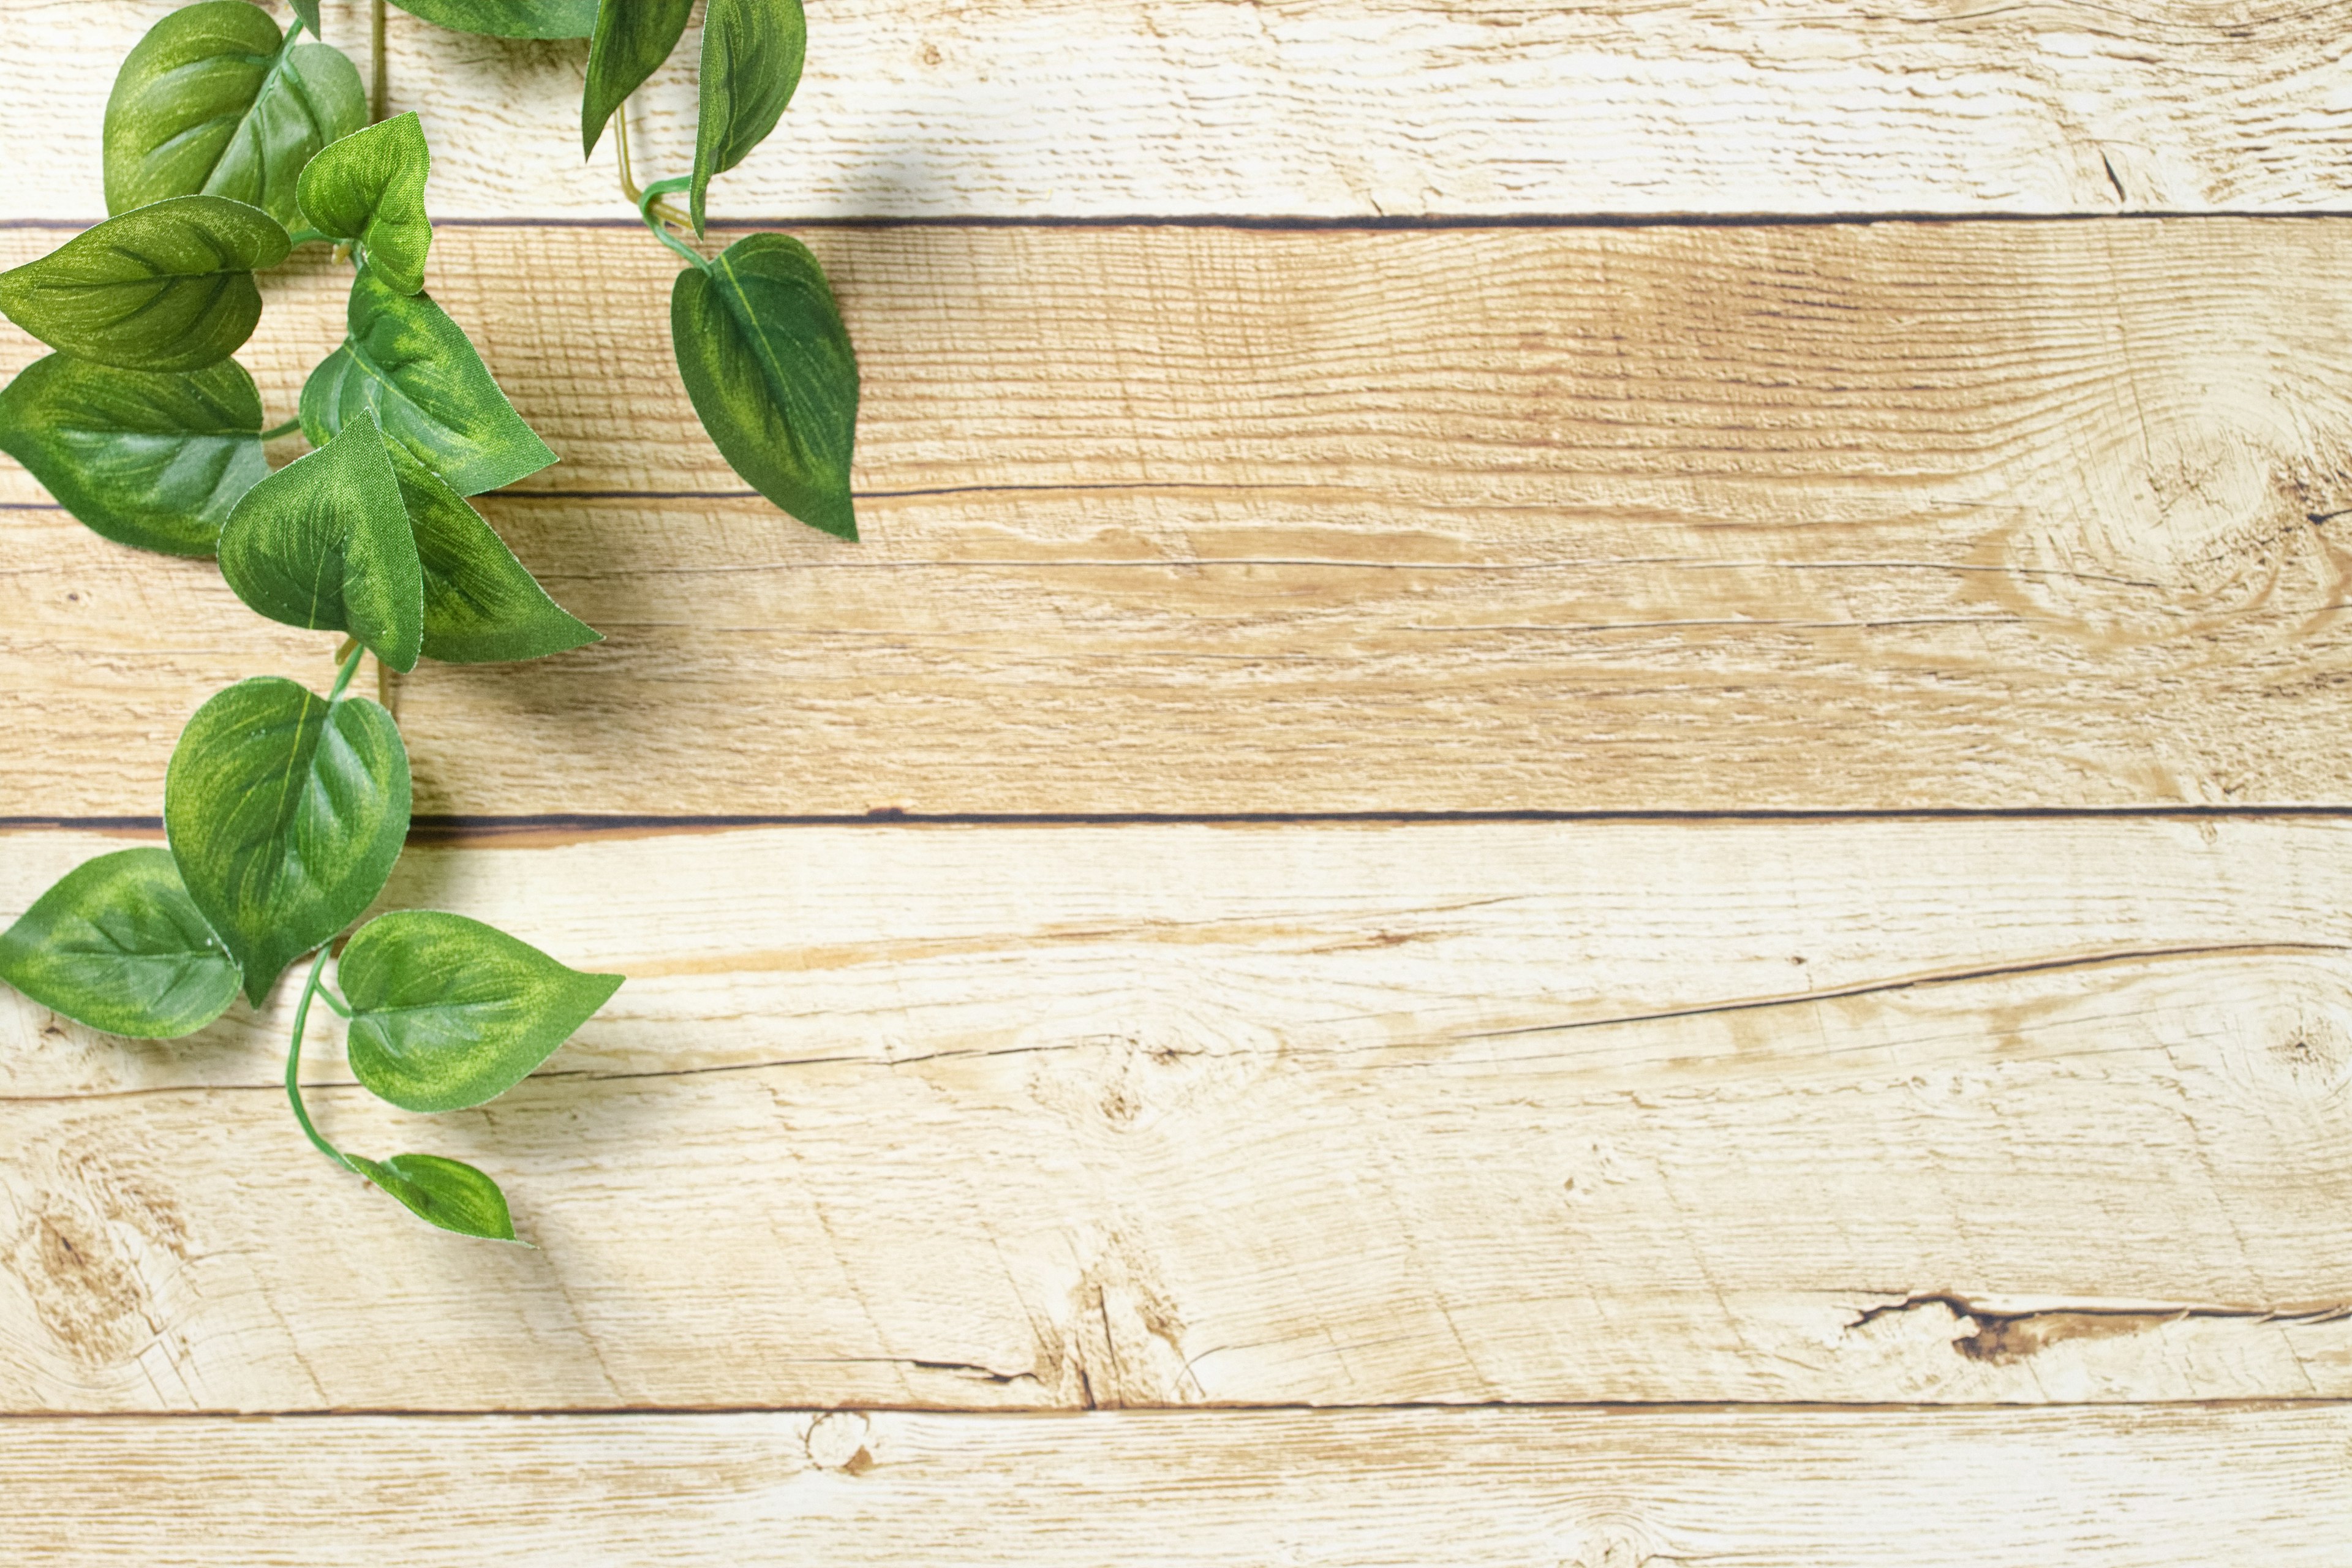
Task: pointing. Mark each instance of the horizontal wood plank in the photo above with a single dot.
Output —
(1914, 1112)
(2132, 1488)
(1170, 521)
(1361, 109)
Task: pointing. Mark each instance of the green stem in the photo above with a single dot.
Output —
(343, 676)
(288, 429)
(327, 993)
(645, 206)
(380, 84)
(307, 237)
(294, 1066)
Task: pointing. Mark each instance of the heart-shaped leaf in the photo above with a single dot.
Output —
(510, 19)
(415, 371)
(325, 542)
(117, 945)
(163, 287)
(752, 51)
(212, 99)
(369, 188)
(448, 1012)
(768, 363)
(632, 39)
(481, 604)
(285, 814)
(447, 1192)
(153, 458)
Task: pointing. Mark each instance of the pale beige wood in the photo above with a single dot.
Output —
(1834, 1110)
(1359, 107)
(1982, 515)
(1771, 1488)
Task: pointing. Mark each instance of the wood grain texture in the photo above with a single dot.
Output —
(1351, 1489)
(1966, 1111)
(1362, 108)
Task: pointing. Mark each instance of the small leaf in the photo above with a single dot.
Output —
(448, 1012)
(324, 542)
(212, 100)
(154, 458)
(632, 39)
(447, 1192)
(752, 51)
(481, 604)
(370, 187)
(117, 945)
(415, 369)
(164, 287)
(285, 815)
(308, 11)
(510, 19)
(768, 363)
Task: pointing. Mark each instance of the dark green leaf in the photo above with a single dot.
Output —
(285, 816)
(481, 604)
(510, 19)
(415, 369)
(447, 1192)
(117, 944)
(212, 100)
(632, 39)
(370, 187)
(153, 458)
(324, 542)
(164, 287)
(448, 1012)
(752, 56)
(308, 11)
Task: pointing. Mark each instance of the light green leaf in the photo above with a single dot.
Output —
(632, 39)
(285, 815)
(448, 1012)
(153, 458)
(481, 604)
(510, 19)
(447, 1192)
(166, 286)
(117, 945)
(768, 363)
(370, 187)
(410, 365)
(752, 51)
(324, 542)
(213, 100)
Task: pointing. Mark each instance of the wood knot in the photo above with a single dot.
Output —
(86, 1294)
(842, 1442)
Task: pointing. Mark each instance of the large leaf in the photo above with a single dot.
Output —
(117, 945)
(164, 287)
(369, 188)
(448, 1012)
(510, 19)
(213, 100)
(768, 363)
(481, 604)
(752, 51)
(447, 1192)
(325, 542)
(632, 39)
(412, 367)
(153, 458)
(285, 814)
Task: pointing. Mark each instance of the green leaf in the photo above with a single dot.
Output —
(481, 604)
(448, 1012)
(308, 11)
(370, 187)
(213, 100)
(752, 51)
(285, 814)
(768, 363)
(117, 945)
(632, 39)
(510, 19)
(447, 1192)
(154, 458)
(166, 286)
(324, 542)
(414, 368)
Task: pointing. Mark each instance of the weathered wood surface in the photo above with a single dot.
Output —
(1350, 1489)
(1363, 109)
(1182, 520)
(1836, 1110)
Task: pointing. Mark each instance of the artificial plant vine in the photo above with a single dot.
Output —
(228, 144)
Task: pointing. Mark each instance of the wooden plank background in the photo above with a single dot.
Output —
(1633, 706)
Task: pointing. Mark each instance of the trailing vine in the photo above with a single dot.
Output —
(229, 143)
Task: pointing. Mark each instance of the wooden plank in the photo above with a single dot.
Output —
(1362, 108)
(2126, 1489)
(1177, 521)
(1834, 1110)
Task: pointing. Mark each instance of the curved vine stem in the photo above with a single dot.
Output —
(668, 214)
(294, 1066)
